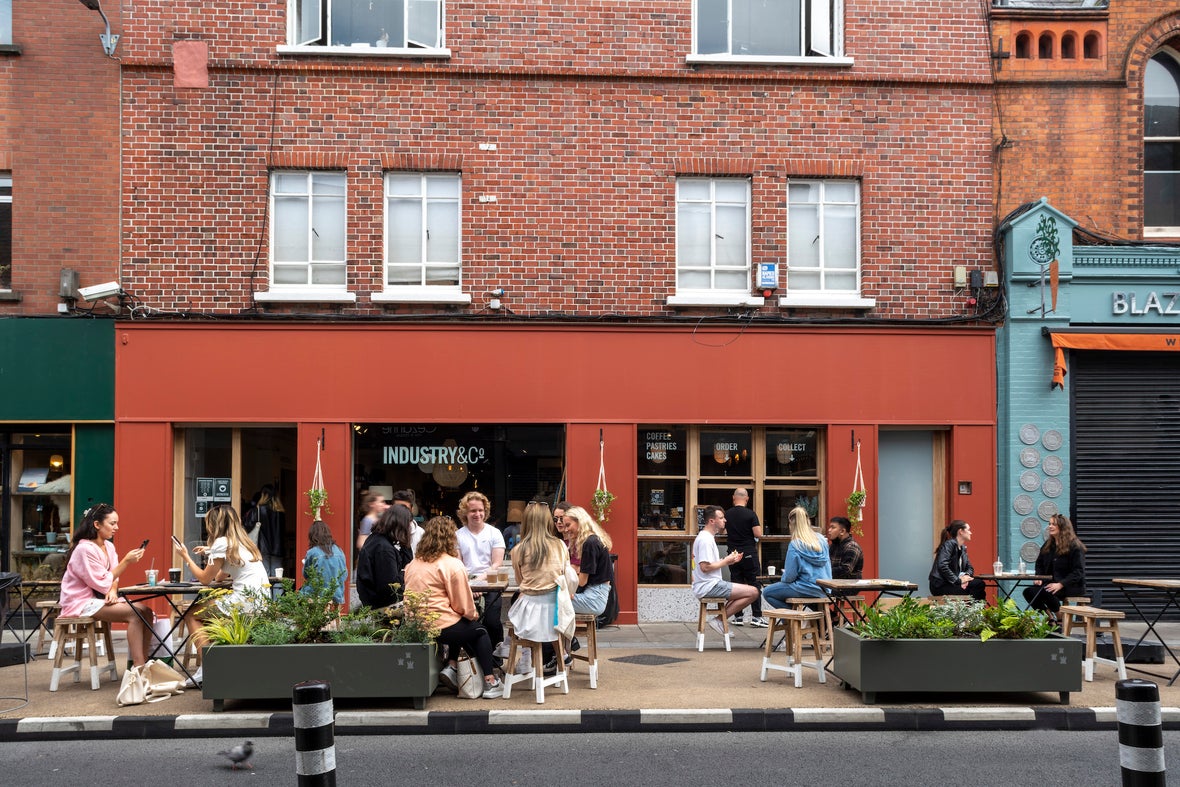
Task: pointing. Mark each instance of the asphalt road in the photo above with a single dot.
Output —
(1010, 759)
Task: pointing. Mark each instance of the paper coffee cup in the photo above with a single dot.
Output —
(770, 570)
(174, 575)
(278, 573)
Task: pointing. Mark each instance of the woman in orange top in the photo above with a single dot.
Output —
(436, 569)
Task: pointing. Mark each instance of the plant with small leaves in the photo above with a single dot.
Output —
(855, 502)
(317, 499)
(412, 621)
(601, 503)
(1007, 621)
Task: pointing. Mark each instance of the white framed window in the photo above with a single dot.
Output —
(768, 31)
(5, 21)
(823, 244)
(307, 236)
(1161, 146)
(423, 257)
(366, 27)
(712, 242)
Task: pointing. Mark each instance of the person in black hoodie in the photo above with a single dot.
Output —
(383, 559)
(952, 573)
(1063, 557)
(270, 518)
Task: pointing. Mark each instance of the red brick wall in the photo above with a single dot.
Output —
(1076, 136)
(59, 133)
(594, 111)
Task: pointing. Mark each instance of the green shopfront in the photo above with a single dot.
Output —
(1089, 398)
(56, 435)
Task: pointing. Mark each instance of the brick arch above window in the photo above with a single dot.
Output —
(306, 159)
(1147, 45)
(704, 165)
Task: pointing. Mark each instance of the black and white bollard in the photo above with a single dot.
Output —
(315, 735)
(1141, 733)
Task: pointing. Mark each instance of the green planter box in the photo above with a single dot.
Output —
(361, 670)
(957, 665)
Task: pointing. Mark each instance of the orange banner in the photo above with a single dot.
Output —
(1152, 342)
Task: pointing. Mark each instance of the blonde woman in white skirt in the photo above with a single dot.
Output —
(538, 560)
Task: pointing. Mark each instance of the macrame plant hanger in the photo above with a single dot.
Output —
(317, 480)
(858, 485)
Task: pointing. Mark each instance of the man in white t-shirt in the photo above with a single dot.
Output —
(481, 548)
(706, 569)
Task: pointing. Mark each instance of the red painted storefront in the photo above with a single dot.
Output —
(592, 380)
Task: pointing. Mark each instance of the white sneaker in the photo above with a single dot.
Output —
(449, 677)
(715, 623)
(501, 651)
(759, 623)
(524, 662)
(493, 690)
(196, 680)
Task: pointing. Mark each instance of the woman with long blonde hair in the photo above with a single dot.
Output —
(538, 560)
(230, 555)
(807, 560)
(437, 570)
(592, 545)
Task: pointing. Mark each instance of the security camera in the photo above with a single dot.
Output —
(100, 291)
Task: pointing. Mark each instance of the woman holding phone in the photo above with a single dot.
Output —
(231, 555)
(90, 586)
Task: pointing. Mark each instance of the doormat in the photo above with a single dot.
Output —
(647, 660)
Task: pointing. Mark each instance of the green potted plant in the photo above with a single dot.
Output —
(957, 646)
(601, 503)
(317, 500)
(856, 504)
(260, 651)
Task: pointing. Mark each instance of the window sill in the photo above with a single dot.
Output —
(823, 300)
(364, 51)
(715, 299)
(421, 295)
(305, 295)
(1161, 232)
(10, 49)
(9, 296)
(768, 60)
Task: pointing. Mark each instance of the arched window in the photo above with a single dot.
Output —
(1092, 46)
(1069, 46)
(1161, 145)
(1024, 45)
(1045, 46)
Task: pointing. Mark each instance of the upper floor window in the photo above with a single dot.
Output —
(366, 24)
(308, 229)
(768, 28)
(713, 235)
(1161, 146)
(5, 231)
(5, 21)
(422, 230)
(823, 238)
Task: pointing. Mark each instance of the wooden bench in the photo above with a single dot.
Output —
(537, 673)
(1095, 620)
(82, 633)
(791, 624)
(707, 605)
(589, 652)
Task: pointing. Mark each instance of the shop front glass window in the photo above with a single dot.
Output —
(726, 453)
(37, 481)
(664, 562)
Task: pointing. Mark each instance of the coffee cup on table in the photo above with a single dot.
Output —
(770, 570)
(174, 575)
(278, 573)
(151, 576)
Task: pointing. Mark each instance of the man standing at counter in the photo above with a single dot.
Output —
(481, 548)
(743, 531)
(706, 569)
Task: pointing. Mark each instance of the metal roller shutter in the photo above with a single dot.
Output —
(1126, 466)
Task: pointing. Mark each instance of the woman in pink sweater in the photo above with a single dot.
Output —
(90, 586)
(437, 570)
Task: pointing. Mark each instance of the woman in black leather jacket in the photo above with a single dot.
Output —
(1063, 557)
(952, 573)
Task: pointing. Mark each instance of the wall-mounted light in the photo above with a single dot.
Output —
(109, 41)
(56, 462)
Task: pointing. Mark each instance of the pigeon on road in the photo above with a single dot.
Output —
(240, 754)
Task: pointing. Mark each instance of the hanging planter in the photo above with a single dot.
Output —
(603, 498)
(856, 500)
(317, 496)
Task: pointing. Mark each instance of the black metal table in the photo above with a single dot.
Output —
(168, 591)
(1165, 590)
(1016, 580)
(849, 615)
(25, 590)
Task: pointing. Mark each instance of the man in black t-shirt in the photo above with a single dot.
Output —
(744, 530)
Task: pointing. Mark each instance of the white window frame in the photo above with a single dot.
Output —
(1153, 231)
(6, 22)
(824, 296)
(714, 296)
(302, 38)
(823, 30)
(307, 292)
(423, 292)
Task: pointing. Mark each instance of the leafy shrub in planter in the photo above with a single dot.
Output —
(955, 619)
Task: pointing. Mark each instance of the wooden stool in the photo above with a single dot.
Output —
(48, 611)
(1075, 601)
(1096, 620)
(845, 606)
(537, 673)
(824, 623)
(589, 653)
(82, 632)
(790, 622)
(717, 603)
(189, 651)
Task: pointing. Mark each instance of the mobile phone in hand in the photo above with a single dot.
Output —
(145, 543)
(176, 541)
